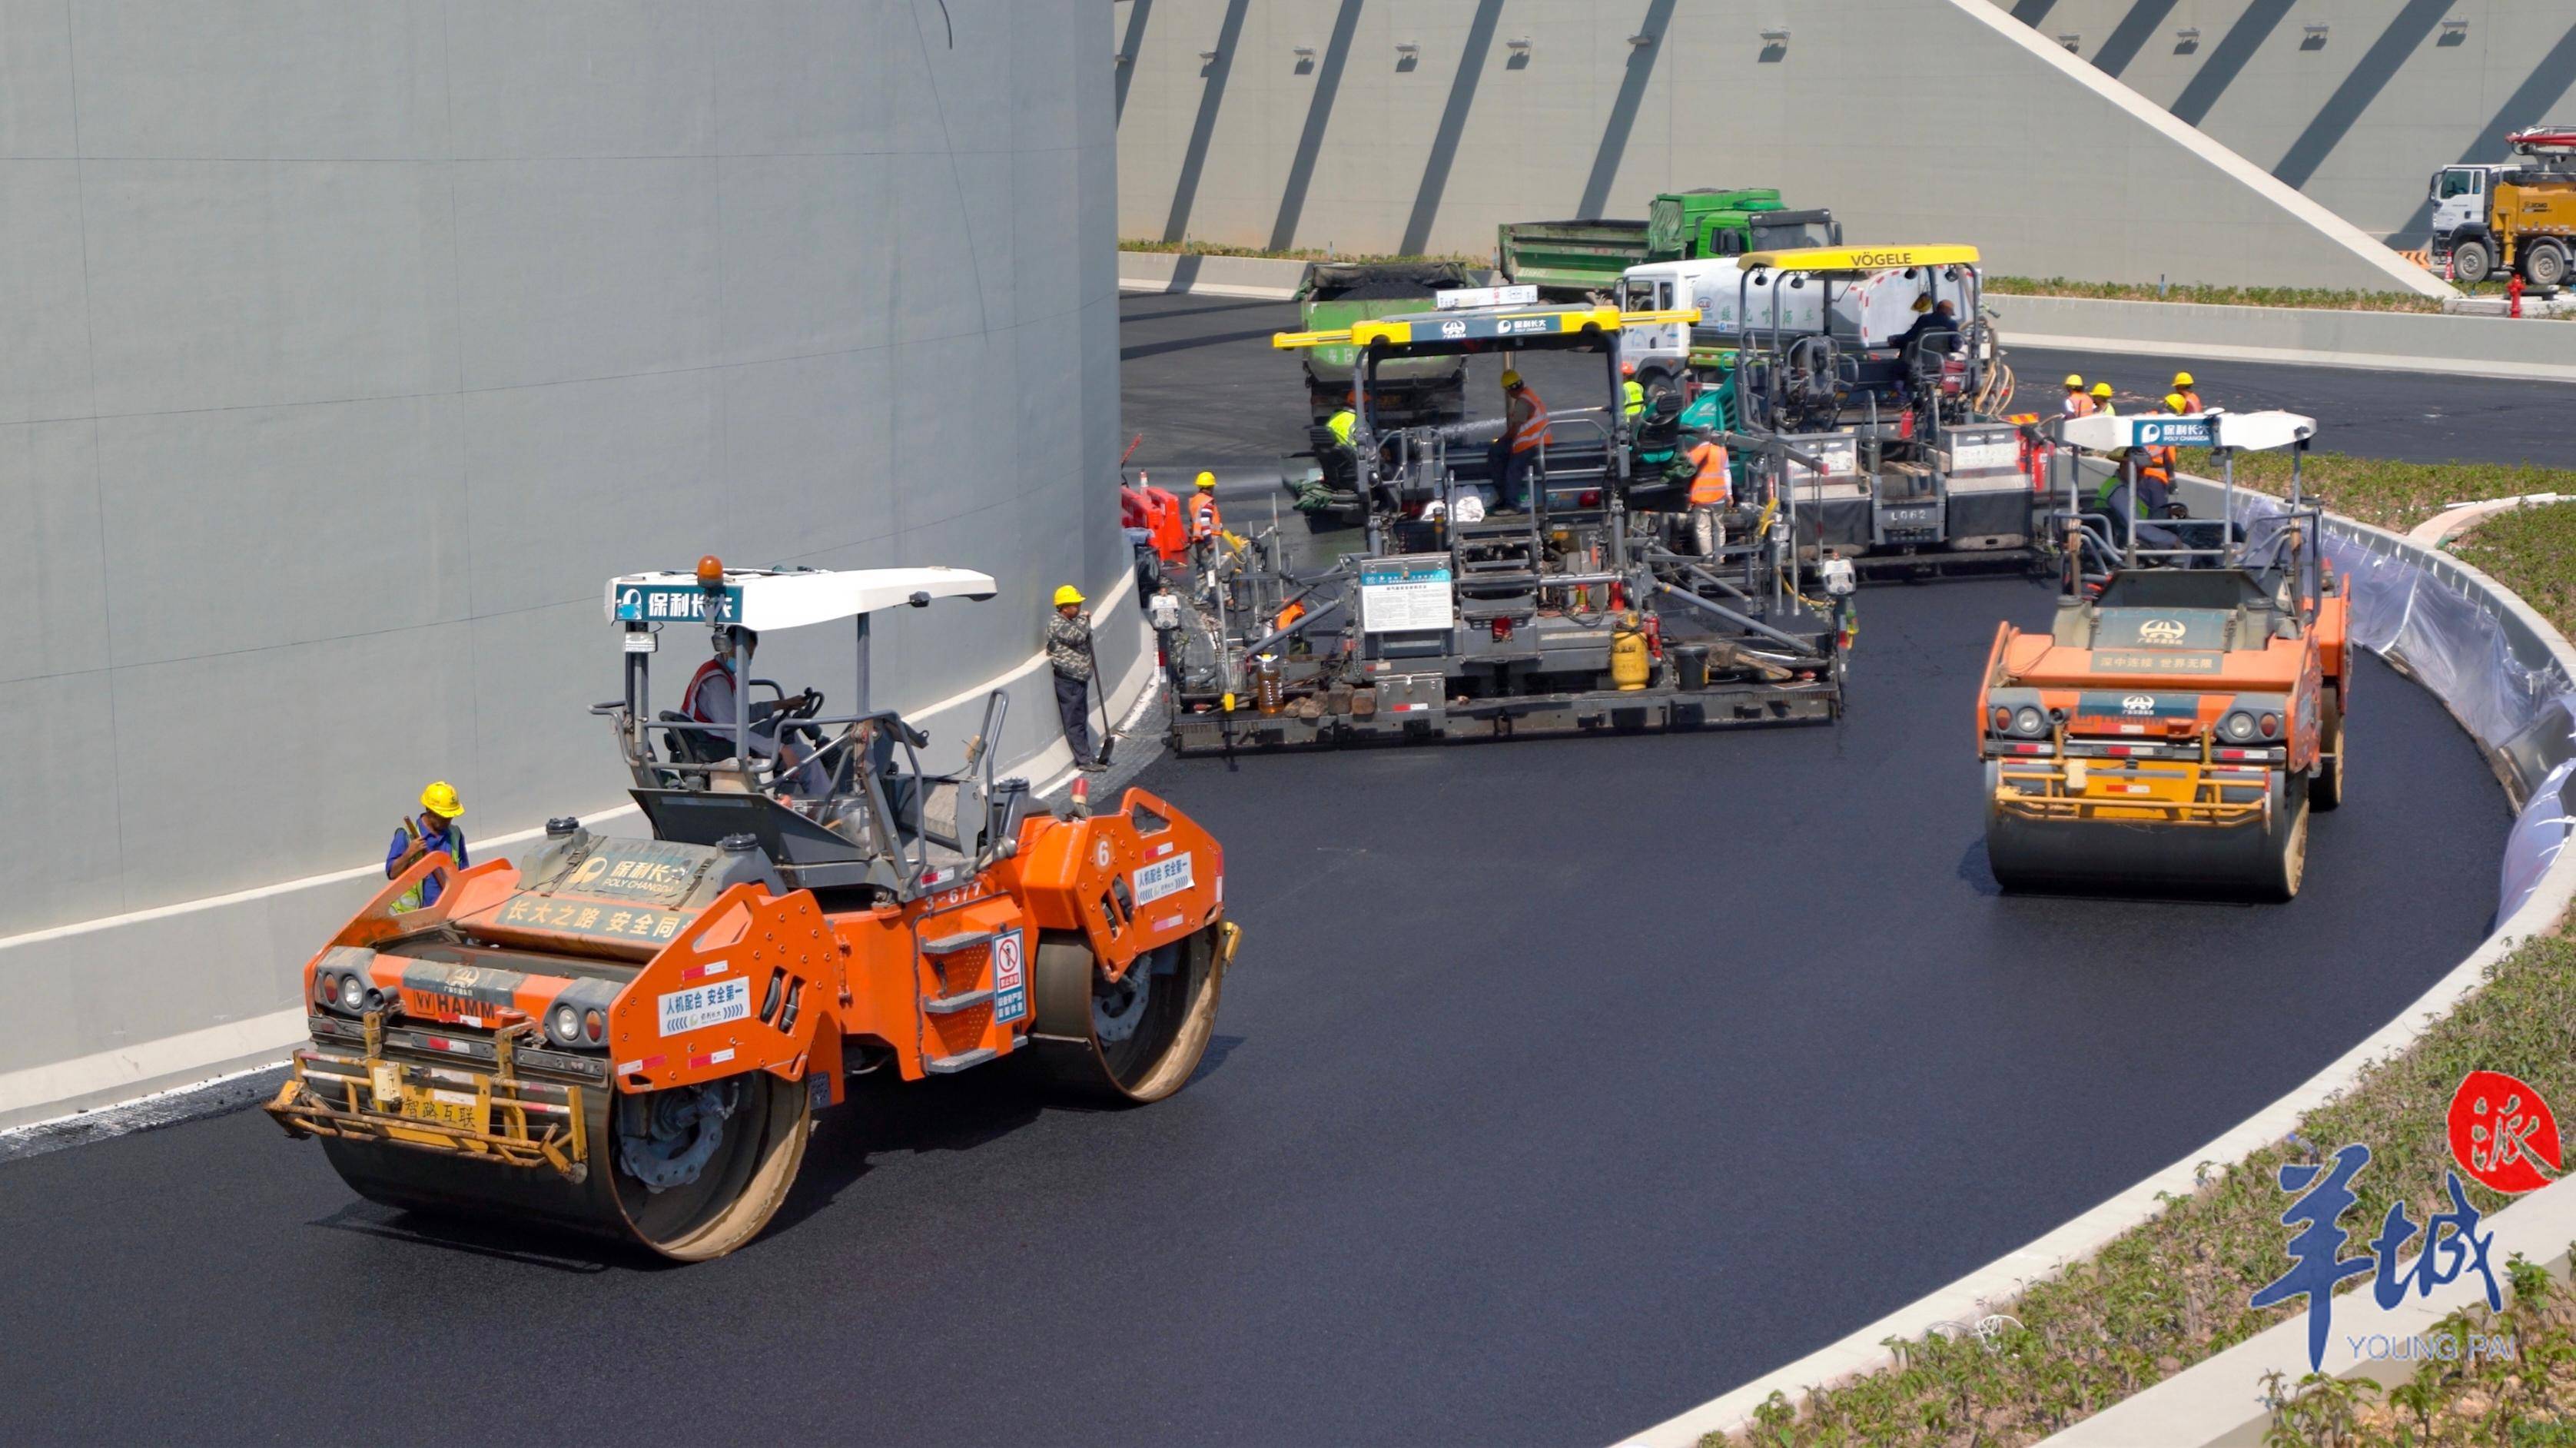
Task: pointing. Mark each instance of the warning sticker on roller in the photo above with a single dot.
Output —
(1010, 978)
(701, 1006)
(1161, 878)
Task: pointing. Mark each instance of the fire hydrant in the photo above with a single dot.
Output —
(2513, 294)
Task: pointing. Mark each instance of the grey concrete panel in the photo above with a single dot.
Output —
(49, 494)
(262, 79)
(568, 486)
(305, 761)
(257, 283)
(585, 269)
(589, 79)
(35, 80)
(793, 286)
(45, 365)
(59, 777)
(347, 520)
(792, 281)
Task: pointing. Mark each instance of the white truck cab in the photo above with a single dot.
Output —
(1870, 312)
(2459, 197)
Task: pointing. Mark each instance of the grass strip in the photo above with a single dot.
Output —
(2318, 298)
(2529, 550)
(2172, 1291)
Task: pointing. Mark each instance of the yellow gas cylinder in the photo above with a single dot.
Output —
(1629, 666)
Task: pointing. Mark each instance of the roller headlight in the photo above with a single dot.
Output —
(2237, 728)
(2030, 721)
(565, 1022)
(353, 993)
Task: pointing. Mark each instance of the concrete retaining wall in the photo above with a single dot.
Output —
(1915, 120)
(352, 347)
(2357, 118)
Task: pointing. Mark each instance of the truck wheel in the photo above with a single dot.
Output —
(2545, 265)
(2472, 261)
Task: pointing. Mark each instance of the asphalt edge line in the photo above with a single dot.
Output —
(1967, 1298)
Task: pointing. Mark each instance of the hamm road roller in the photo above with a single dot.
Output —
(2172, 730)
(630, 1036)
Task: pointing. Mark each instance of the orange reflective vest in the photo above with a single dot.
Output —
(1203, 519)
(2079, 405)
(1533, 428)
(2160, 463)
(2191, 400)
(1710, 485)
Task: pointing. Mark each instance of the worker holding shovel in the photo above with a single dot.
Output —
(1068, 646)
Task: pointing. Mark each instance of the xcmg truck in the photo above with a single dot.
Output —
(2518, 216)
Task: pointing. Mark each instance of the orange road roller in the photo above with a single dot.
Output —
(629, 1036)
(2173, 730)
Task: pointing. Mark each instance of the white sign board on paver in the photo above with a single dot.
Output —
(1408, 592)
(1457, 297)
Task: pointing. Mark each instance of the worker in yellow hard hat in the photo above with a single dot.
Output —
(1524, 432)
(1204, 522)
(2076, 403)
(1068, 649)
(2102, 400)
(1632, 393)
(431, 832)
(2189, 391)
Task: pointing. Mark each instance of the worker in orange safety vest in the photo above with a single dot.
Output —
(1710, 490)
(1524, 429)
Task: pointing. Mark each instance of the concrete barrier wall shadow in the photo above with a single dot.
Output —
(351, 353)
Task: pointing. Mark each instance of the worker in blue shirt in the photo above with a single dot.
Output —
(434, 829)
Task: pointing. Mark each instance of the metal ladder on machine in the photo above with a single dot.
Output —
(1496, 562)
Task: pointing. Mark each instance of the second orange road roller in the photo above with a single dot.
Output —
(2185, 713)
(630, 1036)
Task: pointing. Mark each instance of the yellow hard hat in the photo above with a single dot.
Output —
(2074, 381)
(440, 799)
(1923, 303)
(1511, 379)
(2101, 389)
(1067, 594)
(2182, 379)
(1207, 480)
(2177, 402)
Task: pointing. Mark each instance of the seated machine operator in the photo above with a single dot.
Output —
(710, 699)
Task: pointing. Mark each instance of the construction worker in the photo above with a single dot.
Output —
(2157, 466)
(1709, 492)
(709, 699)
(1068, 649)
(1936, 324)
(433, 830)
(1340, 424)
(1205, 523)
(2102, 400)
(1632, 393)
(2188, 391)
(2076, 403)
(1524, 430)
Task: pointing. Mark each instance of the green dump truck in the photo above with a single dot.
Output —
(1575, 260)
(1411, 391)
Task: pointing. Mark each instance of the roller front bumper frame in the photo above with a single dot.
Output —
(516, 1122)
(2157, 792)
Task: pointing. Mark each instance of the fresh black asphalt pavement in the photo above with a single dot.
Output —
(1559, 1086)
